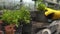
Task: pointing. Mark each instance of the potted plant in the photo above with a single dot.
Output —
(11, 20)
(40, 13)
(26, 18)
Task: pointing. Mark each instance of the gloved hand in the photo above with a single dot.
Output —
(52, 14)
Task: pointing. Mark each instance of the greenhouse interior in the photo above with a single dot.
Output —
(29, 16)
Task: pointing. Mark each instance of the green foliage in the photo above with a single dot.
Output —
(25, 14)
(40, 5)
(12, 16)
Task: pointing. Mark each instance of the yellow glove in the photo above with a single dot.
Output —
(55, 13)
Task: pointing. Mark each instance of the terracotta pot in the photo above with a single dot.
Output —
(9, 29)
(1, 21)
(1, 32)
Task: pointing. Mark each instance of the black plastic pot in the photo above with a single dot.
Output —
(41, 17)
(27, 28)
(23, 28)
(19, 28)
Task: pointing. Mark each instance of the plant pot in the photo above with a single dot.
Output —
(26, 29)
(1, 32)
(9, 29)
(19, 29)
(41, 17)
(1, 21)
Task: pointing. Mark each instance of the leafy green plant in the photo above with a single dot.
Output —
(12, 16)
(25, 14)
(40, 5)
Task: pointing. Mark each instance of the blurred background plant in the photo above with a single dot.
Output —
(40, 5)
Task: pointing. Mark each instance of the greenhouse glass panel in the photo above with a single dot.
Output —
(9, 3)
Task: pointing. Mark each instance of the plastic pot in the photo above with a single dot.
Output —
(9, 29)
(1, 32)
